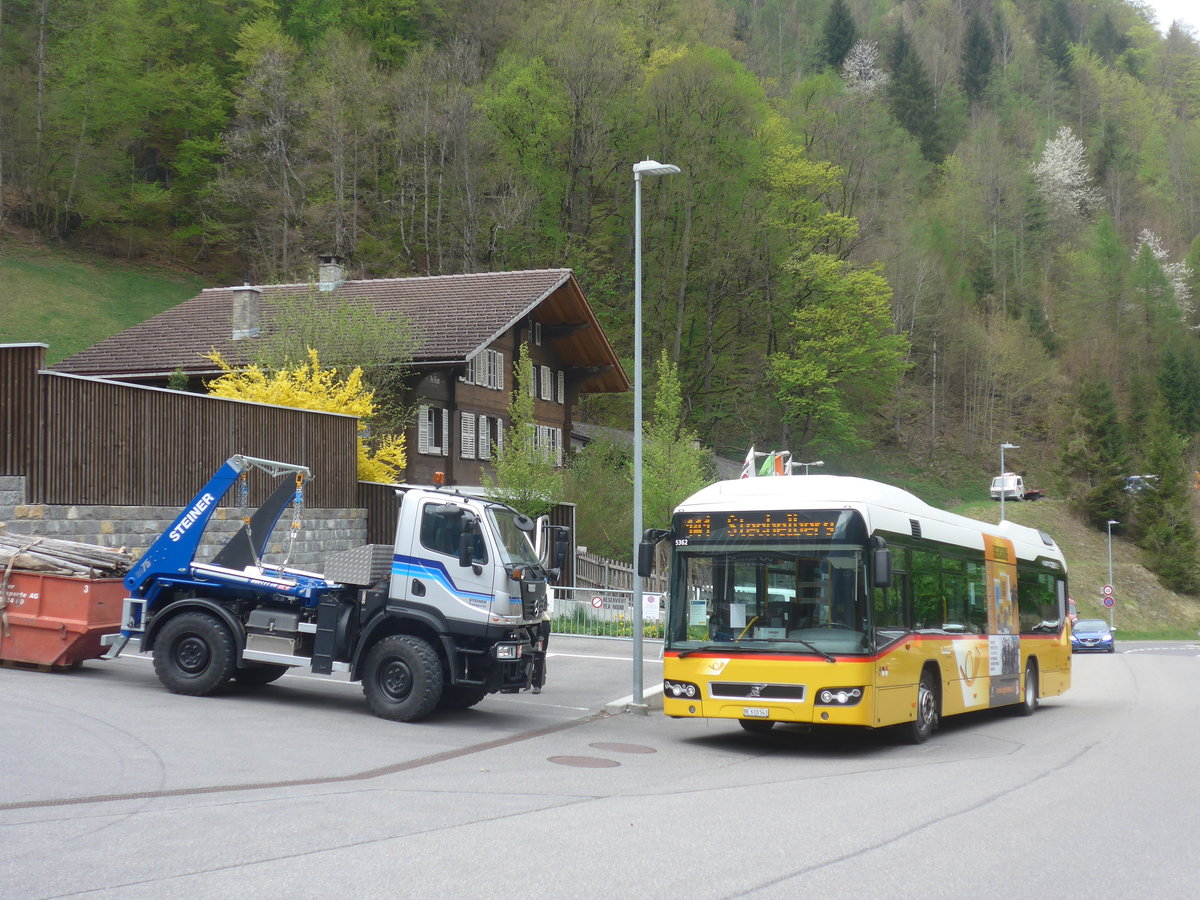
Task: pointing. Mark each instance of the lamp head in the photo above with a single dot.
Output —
(650, 167)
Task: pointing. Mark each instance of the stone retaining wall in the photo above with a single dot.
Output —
(322, 532)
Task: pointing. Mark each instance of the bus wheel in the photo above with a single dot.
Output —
(1029, 697)
(922, 726)
(756, 726)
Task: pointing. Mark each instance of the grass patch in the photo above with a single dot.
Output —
(70, 302)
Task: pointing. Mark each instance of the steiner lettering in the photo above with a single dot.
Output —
(191, 516)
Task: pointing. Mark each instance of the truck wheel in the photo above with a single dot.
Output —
(455, 696)
(194, 654)
(402, 678)
(259, 674)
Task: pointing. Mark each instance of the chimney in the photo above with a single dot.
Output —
(330, 272)
(246, 304)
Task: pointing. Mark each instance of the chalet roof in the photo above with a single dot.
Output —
(454, 316)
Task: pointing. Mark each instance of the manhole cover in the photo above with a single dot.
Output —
(584, 762)
(624, 748)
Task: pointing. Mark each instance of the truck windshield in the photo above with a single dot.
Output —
(730, 586)
(515, 545)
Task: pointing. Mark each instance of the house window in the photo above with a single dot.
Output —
(466, 441)
(533, 381)
(433, 430)
(562, 386)
(489, 436)
(485, 368)
(546, 382)
(537, 334)
(548, 441)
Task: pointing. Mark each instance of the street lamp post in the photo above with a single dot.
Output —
(1005, 446)
(1111, 523)
(645, 167)
(819, 462)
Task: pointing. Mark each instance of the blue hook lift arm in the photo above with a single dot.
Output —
(175, 549)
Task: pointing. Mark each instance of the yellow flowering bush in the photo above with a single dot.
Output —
(308, 386)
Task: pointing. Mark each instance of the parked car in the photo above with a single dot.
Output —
(1135, 484)
(1091, 634)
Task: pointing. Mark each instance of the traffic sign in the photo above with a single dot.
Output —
(1108, 601)
(597, 602)
(1107, 590)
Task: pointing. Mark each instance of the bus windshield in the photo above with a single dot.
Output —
(796, 601)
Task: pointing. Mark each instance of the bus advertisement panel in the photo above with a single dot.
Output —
(841, 601)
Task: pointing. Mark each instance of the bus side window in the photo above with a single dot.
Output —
(891, 606)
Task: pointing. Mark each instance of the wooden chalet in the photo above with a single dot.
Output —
(468, 328)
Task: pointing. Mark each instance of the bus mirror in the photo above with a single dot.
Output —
(882, 564)
(645, 560)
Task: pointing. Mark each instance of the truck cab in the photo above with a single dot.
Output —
(1010, 486)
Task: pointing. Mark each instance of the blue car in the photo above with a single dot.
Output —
(1091, 634)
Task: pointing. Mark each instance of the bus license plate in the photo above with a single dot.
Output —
(756, 712)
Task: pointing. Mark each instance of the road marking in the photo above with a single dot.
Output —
(625, 701)
(551, 653)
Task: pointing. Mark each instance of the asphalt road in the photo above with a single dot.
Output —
(112, 787)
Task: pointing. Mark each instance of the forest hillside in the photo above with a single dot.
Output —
(902, 231)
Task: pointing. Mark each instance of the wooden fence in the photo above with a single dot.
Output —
(596, 571)
(85, 441)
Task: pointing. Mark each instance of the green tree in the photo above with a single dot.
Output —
(676, 466)
(838, 34)
(977, 56)
(1163, 511)
(911, 96)
(598, 473)
(526, 476)
(1094, 459)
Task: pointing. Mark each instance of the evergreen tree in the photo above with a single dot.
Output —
(1094, 459)
(838, 34)
(676, 465)
(977, 58)
(1163, 511)
(911, 97)
(526, 477)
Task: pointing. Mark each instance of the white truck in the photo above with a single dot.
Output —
(1011, 486)
(453, 610)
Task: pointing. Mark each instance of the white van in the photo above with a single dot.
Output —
(1009, 485)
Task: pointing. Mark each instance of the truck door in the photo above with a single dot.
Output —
(429, 574)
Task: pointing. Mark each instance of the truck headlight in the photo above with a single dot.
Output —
(508, 651)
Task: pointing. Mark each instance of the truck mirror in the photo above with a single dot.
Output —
(562, 541)
(466, 548)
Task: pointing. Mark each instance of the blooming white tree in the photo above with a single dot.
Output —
(1062, 176)
(860, 70)
(1178, 273)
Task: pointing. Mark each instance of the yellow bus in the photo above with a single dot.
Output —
(829, 600)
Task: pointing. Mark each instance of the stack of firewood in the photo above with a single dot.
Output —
(54, 557)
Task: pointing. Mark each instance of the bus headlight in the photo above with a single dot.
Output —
(848, 696)
(680, 690)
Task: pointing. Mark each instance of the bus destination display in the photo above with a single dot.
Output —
(756, 525)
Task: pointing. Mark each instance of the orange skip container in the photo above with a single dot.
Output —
(57, 621)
